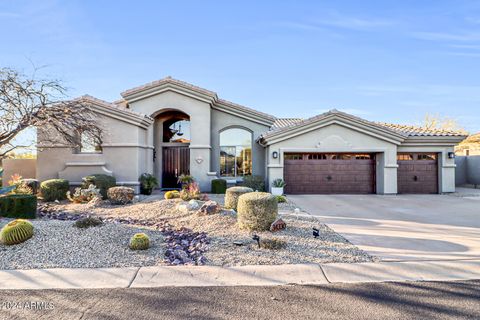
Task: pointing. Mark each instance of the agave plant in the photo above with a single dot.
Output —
(8, 189)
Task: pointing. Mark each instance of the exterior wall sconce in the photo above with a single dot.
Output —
(451, 155)
(274, 154)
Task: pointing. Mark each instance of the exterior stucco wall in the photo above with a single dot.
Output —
(337, 138)
(124, 156)
(24, 167)
(222, 121)
(200, 124)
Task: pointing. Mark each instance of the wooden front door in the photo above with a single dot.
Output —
(329, 173)
(175, 161)
(417, 173)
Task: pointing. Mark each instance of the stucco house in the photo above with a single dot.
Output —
(470, 146)
(169, 127)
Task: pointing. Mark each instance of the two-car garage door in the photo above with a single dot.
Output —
(354, 173)
(329, 173)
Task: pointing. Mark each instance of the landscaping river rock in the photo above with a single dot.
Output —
(184, 246)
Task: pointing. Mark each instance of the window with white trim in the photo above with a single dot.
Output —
(235, 153)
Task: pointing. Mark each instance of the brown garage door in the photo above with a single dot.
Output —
(327, 173)
(417, 173)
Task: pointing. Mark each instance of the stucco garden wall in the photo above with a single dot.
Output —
(337, 138)
(24, 167)
(467, 170)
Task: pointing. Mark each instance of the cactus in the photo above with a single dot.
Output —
(88, 222)
(172, 194)
(16, 231)
(139, 241)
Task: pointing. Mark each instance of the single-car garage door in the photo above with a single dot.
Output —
(328, 173)
(417, 173)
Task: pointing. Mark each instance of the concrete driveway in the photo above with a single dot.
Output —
(402, 227)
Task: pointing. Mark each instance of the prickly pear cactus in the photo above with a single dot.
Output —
(139, 241)
(16, 231)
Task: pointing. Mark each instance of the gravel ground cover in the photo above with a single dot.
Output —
(58, 244)
(229, 246)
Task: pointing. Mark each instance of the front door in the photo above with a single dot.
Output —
(175, 161)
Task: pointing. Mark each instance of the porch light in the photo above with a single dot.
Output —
(274, 154)
(451, 155)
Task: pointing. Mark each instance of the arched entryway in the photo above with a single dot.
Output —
(172, 141)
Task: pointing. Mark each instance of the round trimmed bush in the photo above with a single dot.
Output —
(232, 194)
(139, 241)
(257, 211)
(16, 231)
(101, 181)
(120, 195)
(219, 186)
(54, 189)
(18, 206)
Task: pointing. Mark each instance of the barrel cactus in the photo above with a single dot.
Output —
(173, 194)
(232, 195)
(139, 241)
(257, 211)
(16, 231)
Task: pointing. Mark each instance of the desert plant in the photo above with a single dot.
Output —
(191, 192)
(185, 180)
(29, 185)
(256, 211)
(173, 194)
(281, 199)
(272, 244)
(54, 189)
(16, 231)
(84, 195)
(219, 186)
(257, 183)
(148, 182)
(120, 195)
(18, 206)
(139, 241)
(278, 183)
(87, 222)
(232, 194)
(101, 181)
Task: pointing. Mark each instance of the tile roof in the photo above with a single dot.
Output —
(107, 104)
(417, 131)
(247, 109)
(285, 124)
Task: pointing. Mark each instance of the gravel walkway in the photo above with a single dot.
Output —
(58, 244)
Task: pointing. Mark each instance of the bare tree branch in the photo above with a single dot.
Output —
(29, 102)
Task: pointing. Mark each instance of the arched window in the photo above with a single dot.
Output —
(235, 153)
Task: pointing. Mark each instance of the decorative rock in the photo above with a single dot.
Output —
(208, 208)
(277, 225)
(194, 204)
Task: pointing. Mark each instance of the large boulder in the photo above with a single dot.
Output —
(208, 208)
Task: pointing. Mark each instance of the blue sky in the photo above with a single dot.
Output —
(391, 61)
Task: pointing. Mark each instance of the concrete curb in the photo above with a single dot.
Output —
(258, 275)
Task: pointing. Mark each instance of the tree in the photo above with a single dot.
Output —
(432, 121)
(27, 102)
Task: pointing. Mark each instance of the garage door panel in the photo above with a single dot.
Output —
(328, 174)
(416, 175)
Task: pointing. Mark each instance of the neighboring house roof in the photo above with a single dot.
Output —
(285, 122)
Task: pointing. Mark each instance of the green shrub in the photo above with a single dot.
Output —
(257, 183)
(18, 206)
(272, 244)
(147, 183)
(120, 195)
(185, 180)
(281, 199)
(101, 181)
(16, 231)
(219, 186)
(232, 194)
(33, 184)
(256, 211)
(174, 194)
(139, 241)
(88, 222)
(54, 189)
